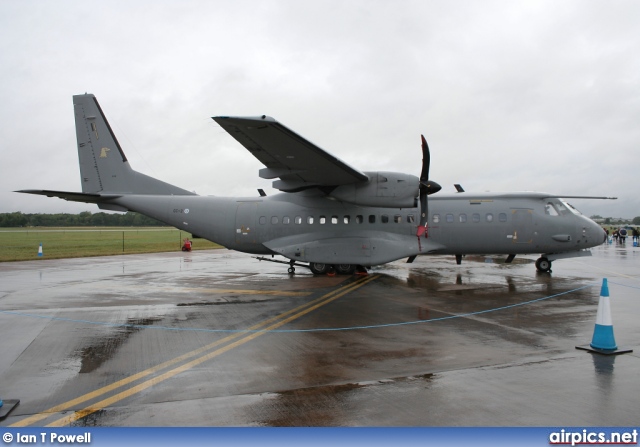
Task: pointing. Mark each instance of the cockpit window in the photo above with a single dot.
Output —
(561, 207)
(550, 210)
(573, 209)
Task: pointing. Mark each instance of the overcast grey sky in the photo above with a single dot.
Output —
(511, 95)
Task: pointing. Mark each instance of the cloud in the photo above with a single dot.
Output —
(510, 95)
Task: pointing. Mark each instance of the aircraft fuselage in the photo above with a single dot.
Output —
(319, 229)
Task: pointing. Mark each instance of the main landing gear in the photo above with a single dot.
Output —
(543, 265)
(318, 268)
(341, 269)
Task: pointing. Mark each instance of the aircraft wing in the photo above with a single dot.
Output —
(298, 163)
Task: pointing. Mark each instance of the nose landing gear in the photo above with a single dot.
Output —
(543, 265)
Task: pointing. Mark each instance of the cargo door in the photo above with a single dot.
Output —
(522, 219)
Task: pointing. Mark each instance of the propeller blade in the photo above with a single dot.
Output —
(424, 183)
(426, 161)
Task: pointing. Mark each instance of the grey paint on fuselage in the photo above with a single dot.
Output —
(459, 224)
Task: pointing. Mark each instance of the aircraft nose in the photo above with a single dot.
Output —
(593, 234)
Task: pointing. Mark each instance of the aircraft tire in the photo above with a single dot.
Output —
(318, 268)
(543, 265)
(345, 269)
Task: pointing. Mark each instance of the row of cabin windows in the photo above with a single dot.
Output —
(385, 218)
(475, 218)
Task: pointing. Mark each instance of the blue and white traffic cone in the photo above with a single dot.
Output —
(603, 341)
(40, 254)
(603, 333)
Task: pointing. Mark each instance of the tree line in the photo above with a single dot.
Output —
(84, 219)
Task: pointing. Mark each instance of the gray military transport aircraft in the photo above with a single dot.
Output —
(330, 216)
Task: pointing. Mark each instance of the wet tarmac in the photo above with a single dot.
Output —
(217, 338)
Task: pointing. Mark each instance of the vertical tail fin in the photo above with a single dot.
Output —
(103, 165)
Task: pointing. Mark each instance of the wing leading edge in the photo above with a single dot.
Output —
(298, 163)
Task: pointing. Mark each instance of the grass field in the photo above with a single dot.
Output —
(21, 244)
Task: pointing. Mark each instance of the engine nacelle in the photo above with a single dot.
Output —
(384, 189)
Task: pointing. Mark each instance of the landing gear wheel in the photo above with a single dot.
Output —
(543, 265)
(345, 269)
(292, 270)
(317, 268)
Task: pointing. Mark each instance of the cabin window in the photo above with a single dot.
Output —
(372, 218)
(436, 218)
(286, 220)
(298, 220)
(489, 217)
(397, 218)
(449, 218)
(322, 220)
(411, 218)
(463, 218)
(274, 220)
(310, 220)
(359, 219)
(334, 220)
(475, 217)
(346, 219)
(262, 220)
(384, 218)
(502, 217)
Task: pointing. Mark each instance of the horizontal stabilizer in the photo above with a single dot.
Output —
(72, 196)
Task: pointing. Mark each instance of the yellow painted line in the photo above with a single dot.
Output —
(101, 391)
(67, 420)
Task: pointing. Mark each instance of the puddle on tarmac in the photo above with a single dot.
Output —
(102, 349)
(321, 405)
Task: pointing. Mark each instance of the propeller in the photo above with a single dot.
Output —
(426, 187)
